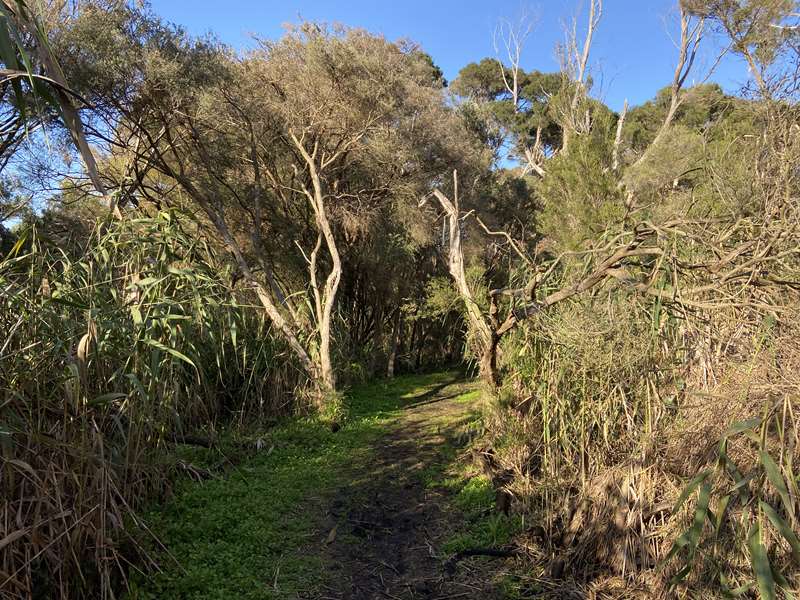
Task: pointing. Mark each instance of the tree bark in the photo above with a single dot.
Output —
(487, 345)
(488, 366)
(456, 267)
(392, 358)
(325, 315)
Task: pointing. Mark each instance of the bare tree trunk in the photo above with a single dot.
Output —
(456, 265)
(489, 328)
(618, 137)
(379, 341)
(328, 296)
(576, 62)
(478, 323)
(512, 36)
(488, 366)
(687, 52)
(392, 359)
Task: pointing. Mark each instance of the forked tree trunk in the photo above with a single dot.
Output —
(327, 298)
(456, 267)
(481, 328)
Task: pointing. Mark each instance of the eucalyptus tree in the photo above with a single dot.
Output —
(605, 212)
(286, 155)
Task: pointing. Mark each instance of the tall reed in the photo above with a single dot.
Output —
(111, 354)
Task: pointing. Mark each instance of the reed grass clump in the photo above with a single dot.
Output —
(114, 351)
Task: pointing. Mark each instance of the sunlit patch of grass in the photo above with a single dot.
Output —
(491, 531)
(469, 397)
(475, 496)
(482, 528)
(389, 395)
(255, 532)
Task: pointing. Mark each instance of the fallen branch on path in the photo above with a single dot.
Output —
(450, 565)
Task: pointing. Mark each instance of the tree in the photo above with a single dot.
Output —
(520, 113)
(284, 152)
(588, 202)
(764, 32)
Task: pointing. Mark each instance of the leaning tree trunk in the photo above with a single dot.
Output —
(479, 325)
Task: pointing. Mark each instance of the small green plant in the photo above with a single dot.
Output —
(334, 408)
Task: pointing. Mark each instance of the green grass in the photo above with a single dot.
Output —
(469, 397)
(473, 497)
(254, 532)
(482, 527)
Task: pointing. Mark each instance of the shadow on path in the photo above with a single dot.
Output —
(386, 526)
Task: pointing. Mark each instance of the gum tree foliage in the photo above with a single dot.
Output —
(302, 157)
(514, 124)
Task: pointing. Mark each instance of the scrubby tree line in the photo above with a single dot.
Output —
(203, 236)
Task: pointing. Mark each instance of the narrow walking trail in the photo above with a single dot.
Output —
(373, 511)
(394, 518)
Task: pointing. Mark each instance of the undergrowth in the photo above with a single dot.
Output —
(114, 349)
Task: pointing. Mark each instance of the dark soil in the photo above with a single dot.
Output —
(387, 524)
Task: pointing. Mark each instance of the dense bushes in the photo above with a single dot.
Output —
(112, 355)
(653, 427)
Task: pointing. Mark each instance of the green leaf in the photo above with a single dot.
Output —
(680, 575)
(736, 475)
(775, 477)
(681, 542)
(700, 512)
(172, 351)
(783, 527)
(741, 426)
(185, 272)
(7, 51)
(782, 583)
(761, 566)
(752, 436)
(80, 305)
(690, 538)
(722, 508)
(137, 384)
(743, 482)
(691, 487)
(6, 437)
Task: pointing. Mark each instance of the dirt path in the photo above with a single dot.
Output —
(388, 523)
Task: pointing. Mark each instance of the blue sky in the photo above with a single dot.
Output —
(633, 55)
